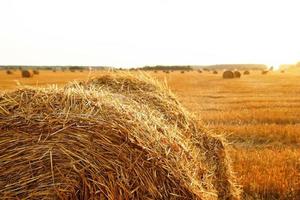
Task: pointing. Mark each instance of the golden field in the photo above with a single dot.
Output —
(258, 114)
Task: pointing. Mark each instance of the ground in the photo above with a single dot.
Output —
(258, 114)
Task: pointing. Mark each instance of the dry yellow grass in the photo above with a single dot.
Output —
(260, 114)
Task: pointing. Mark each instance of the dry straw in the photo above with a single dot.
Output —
(228, 74)
(237, 74)
(113, 137)
(36, 72)
(9, 72)
(26, 74)
(246, 72)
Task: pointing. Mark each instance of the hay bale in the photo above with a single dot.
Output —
(36, 72)
(282, 71)
(102, 139)
(264, 72)
(26, 74)
(237, 74)
(228, 74)
(9, 72)
(182, 71)
(199, 71)
(215, 72)
(246, 72)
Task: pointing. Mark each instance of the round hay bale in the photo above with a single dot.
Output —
(36, 72)
(215, 72)
(100, 140)
(228, 74)
(264, 72)
(9, 72)
(282, 71)
(199, 71)
(246, 72)
(26, 74)
(237, 74)
(182, 72)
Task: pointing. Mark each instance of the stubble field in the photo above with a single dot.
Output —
(258, 114)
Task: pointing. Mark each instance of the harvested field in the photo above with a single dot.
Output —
(258, 114)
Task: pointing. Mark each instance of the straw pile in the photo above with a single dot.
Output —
(228, 74)
(237, 74)
(36, 72)
(114, 137)
(9, 72)
(26, 74)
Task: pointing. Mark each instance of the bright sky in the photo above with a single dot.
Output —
(148, 32)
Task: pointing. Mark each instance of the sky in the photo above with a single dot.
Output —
(131, 33)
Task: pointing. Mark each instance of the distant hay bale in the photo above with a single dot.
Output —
(72, 70)
(36, 72)
(215, 72)
(282, 71)
(182, 72)
(155, 71)
(53, 70)
(9, 72)
(246, 72)
(237, 74)
(26, 74)
(264, 72)
(113, 137)
(228, 74)
(199, 71)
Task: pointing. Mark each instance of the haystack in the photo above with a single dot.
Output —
(228, 74)
(264, 72)
(26, 74)
(237, 74)
(215, 72)
(9, 72)
(36, 72)
(246, 72)
(199, 71)
(114, 137)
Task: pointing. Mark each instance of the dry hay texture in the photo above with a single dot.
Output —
(246, 72)
(9, 72)
(228, 74)
(237, 74)
(113, 137)
(26, 74)
(36, 72)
